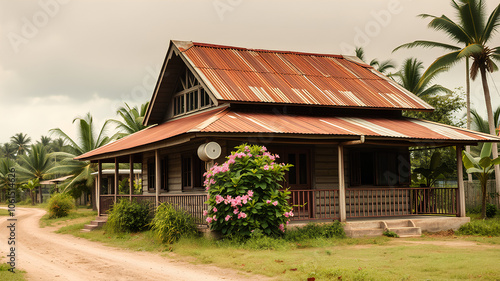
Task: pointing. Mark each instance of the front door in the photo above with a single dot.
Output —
(298, 180)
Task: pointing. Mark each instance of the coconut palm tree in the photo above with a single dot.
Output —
(87, 140)
(21, 142)
(132, 119)
(8, 150)
(36, 164)
(381, 66)
(474, 30)
(410, 76)
(6, 165)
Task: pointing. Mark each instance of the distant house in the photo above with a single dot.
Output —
(335, 118)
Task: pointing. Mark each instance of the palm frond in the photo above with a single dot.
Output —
(491, 25)
(428, 44)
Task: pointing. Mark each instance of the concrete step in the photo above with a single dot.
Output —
(364, 232)
(407, 231)
(363, 224)
(95, 224)
(398, 223)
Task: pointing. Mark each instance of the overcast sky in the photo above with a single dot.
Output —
(60, 59)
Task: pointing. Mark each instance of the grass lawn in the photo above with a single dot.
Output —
(76, 216)
(6, 275)
(429, 257)
(4, 212)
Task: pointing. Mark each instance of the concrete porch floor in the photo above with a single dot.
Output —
(405, 226)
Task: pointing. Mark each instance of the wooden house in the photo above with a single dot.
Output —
(335, 118)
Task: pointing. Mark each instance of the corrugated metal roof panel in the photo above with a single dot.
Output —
(226, 120)
(247, 75)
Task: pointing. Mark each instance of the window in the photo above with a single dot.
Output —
(192, 172)
(151, 175)
(189, 95)
(379, 168)
(164, 173)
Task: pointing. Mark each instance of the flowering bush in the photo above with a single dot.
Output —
(244, 193)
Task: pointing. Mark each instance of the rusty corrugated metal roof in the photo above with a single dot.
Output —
(248, 75)
(226, 120)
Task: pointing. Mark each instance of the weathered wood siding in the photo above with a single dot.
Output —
(325, 167)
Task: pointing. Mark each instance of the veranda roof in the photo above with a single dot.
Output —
(225, 120)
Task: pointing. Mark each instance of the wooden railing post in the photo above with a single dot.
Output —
(460, 181)
(342, 207)
(157, 177)
(98, 187)
(131, 177)
(116, 179)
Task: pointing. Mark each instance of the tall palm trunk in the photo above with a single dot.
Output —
(467, 93)
(491, 124)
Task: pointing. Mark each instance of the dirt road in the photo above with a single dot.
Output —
(45, 255)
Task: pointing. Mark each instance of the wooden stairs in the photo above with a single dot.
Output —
(95, 224)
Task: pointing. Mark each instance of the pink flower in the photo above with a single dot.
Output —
(275, 203)
(209, 220)
(281, 227)
(242, 215)
(218, 199)
(215, 210)
(266, 167)
(268, 201)
(236, 211)
(250, 193)
(215, 218)
(277, 156)
(228, 217)
(263, 149)
(205, 213)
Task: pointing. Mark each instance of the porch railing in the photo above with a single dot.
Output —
(377, 202)
(317, 204)
(374, 202)
(191, 203)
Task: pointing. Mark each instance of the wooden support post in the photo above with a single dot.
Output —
(98, 187)
(460, 181)
(131, 177)
(342, 206)
(116, 179)
(157, 177)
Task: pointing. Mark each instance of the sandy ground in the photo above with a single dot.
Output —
(45, 255)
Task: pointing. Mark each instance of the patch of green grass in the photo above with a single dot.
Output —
(364, 261)
(76, 214)
(4, 212)
(486, 227)
(5, 274)
(379, 258)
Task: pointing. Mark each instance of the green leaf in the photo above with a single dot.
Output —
(474, 171)
(485, 162)
(468, 160)
(486, 150)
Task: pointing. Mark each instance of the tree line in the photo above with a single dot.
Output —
(50, 158)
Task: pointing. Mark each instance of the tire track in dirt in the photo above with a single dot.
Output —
(45, 255)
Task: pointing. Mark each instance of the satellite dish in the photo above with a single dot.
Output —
(209, 151)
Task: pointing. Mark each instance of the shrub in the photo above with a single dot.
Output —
(169, 224)
(244, 193)
(316, 230)
(390, 234)
(491, 210)
(127, 216)
(60, 205)
(489, 227)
